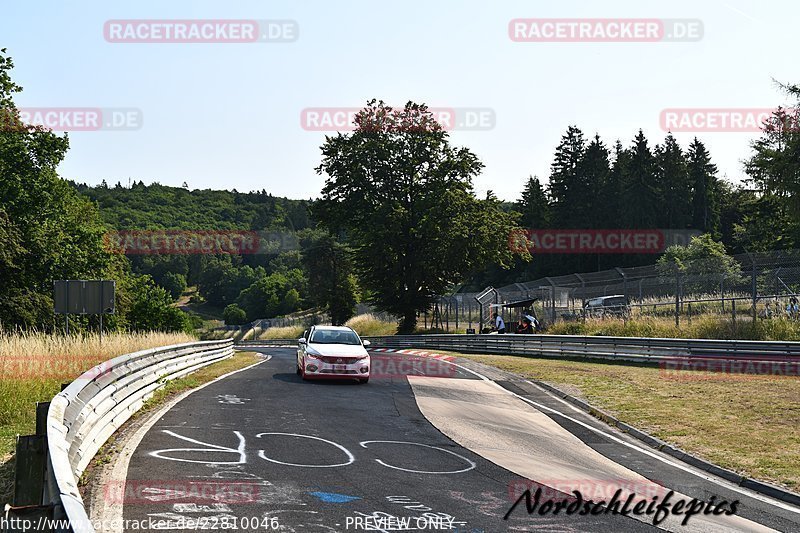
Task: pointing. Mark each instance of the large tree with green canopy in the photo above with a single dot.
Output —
(404, 198)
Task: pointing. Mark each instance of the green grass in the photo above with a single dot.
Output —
(204, 375)
(747, 423)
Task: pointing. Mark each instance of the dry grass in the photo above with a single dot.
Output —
(368, 325)
(33, 367)
(747, 423)
(700, 327)
(284, 332)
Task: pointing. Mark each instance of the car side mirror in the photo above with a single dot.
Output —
(366, 342)
(302, 340)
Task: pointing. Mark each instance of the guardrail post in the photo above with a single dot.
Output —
(41, 417)
(29, 469)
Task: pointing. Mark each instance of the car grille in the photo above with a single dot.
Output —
(332, 371)
(338, 360)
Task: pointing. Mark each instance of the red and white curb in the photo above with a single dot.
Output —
(416, 353)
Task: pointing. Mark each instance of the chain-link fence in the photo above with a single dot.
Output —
(753, 286)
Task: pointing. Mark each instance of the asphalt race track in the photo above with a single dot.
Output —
(423, 447)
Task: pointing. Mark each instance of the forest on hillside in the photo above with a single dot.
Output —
(364, 239)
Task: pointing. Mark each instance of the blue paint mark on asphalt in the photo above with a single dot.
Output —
(332, 497)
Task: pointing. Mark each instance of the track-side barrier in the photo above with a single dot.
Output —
(84, 415)
(631, 349)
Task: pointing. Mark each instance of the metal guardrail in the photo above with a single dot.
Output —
(268, 342)
(85, 414)
(634, 349)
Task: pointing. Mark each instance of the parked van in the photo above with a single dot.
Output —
(616, 305)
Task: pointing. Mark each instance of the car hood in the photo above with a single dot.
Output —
(338, 350)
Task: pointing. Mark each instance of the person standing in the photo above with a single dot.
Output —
(499, 324)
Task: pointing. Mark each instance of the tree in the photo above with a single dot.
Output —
(49, 231)
(672, 177)
(774, 169)
(534, 206)
(567, 188)
(274, 295)
(174, 283)
(593, 171)
(234, 315)
(609, 199)
(152, 309)
(639, 193)
(330, 273)
(703, 176)
(702, 263)
(404, 197)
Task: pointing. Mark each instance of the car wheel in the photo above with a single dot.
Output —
(363, 380)
(297, 369)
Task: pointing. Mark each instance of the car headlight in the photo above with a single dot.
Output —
(313, 354)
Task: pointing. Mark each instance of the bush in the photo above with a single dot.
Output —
(174, 284)
(152, 309)
(234, 315)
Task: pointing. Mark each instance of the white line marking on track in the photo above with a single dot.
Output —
(721, 483)
(472, 465)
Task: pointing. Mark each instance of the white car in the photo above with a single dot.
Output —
(332, 352)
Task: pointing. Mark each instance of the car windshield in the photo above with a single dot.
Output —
(327, 336)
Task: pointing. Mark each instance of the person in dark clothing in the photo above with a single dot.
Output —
(526, 327)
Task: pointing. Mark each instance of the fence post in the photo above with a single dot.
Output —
(625, 292)
(754, 288)
(677, 297)
(552, 300)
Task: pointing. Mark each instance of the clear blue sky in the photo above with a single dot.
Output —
(228, 115)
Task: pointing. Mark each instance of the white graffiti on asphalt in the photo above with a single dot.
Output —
(231, 399)
(350, 457)
(208, 448)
